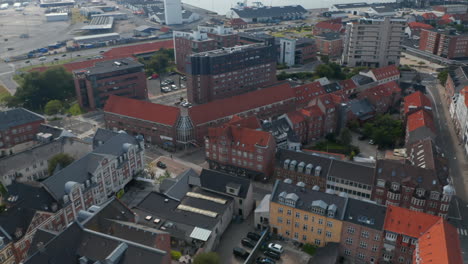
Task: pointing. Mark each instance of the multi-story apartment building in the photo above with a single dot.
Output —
(329, 44)
(362, 233)
(226, 72)
(412, 187)
(373, 42)
(18, 129)
(122, 77)
(305, 215)
(241, 150)
(325, 173)
(448, 43)
(296, 51)
(460, 116)
(402, 230)
(206, 38)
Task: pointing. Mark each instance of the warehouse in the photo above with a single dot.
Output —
(52, 17)
(267, 13)
(96, 38)
(100, 24)
(116, 16)
(55, 3)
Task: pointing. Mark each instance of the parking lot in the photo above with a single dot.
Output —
(237, 231)
(156, 94)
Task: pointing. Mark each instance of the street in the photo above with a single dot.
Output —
(446, 136)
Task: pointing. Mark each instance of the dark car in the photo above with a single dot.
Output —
(161, 165)
(272, 254)
(263, 260)
(247, 242)
(240, 252)
(253, 236)
(172, 73)
(64, 55)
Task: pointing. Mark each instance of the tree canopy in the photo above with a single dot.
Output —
(443, 75)
(384, 130)
(61, 159)
(207, 258)
(37, 88)
(330, 70)
(159, 62)
(53, 107)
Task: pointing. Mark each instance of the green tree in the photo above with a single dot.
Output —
(443, 75)
(207, 258)
(325, 59)
(53, 107)
(61, 159)
(324, 70)
(38, 88)
(175, 255)
(345, 137)
(75, 110)
(159, 62)
(384, 130)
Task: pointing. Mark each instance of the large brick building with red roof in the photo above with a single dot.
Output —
(419, 238)
(240, 150)
(328, 26)
(439, 244)
(415, 102)
(382, 96)
(420, 125)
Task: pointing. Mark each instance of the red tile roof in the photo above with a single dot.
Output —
(407, 222)
(306, 92)
(312, 111)
(419, 25)
(329, 25)
(223, 108)
(381, 91)
(429, 16)
(251, 122)
(416, 100)
(421, 118)
(440, 244)
(243, 138)
(296, 117)
(237, 21)
(385, 72)
(348, 84)
(157, 113)
(127, 51)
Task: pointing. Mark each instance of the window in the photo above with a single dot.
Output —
(280, 220)
(319, 231)
(305, 227)
(403, 249)
(361, 255)
(296, 224)
(376, 237)
(328, 234)
(288, 222)
(317, 242)
(289, 212)
(405, 239)
(329, 224)
(287, 232)
(351, 230)
(401, 259)
(365, 234)
(347, 252)
(298, 215)
(363, 244)
(304, 237)
(296, 235)
(349, 241)
(280, 210)
(306, 217)
(320, 221)
(375, 248)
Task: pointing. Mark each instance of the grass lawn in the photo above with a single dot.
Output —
(3, 92)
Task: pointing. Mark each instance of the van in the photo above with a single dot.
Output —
(42, 58)
(253, 236)
(240, 252)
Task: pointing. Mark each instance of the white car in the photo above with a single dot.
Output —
(276, 248)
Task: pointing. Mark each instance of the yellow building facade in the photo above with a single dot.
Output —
(306, 216)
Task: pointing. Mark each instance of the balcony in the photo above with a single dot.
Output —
(388, 247)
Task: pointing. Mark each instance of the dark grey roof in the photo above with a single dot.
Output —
(155, 204)
(361, 79)
(270, 11)
(56, 132)
(32, 196)
(363, 109)
(101, 136)
(216, 181)
(257, 37)
(365, 213)
(41, 236)
(329, 36)
(278, 128)
(308, 196)
(80, 170)
(331, 87)
(113, 209)
(76, 242)
(379, 8)
(16, 219)
(134, 232)
(460, 77)
(111, 66)
(178, 190)
(16, 117)
(420, 133)
(145, 28)
(307, 158)
(352, 5)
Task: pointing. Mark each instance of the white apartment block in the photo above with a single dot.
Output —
(373, 42)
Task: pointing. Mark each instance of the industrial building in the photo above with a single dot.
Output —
(157, 14)
(116, 16)
(98, 38)
(100, 24)
(55, 3)
(56, 17)
(262, 13)
(173, 12)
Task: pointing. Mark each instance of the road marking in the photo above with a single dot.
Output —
(462, 232)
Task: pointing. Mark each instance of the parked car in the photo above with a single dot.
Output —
(253, 236)
(240, 252)
(161, 165)
(42, 58)
(183, 78)
(276, 248)
(172, 73)
(372, 142)
(56, 59)
(165, 89)
(174, 87)
(247, 242)
(264, 260)
(64, 55)
(101, 51)
(272, 254)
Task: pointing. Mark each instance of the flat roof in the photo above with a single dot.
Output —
(96, 36)
(111, 65)
(101, 22)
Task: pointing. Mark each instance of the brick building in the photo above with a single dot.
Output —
(205, 38)
(448, 43)
(383, 96)
(403, 228)
(362, 233)
(18, 129)
(329, 44)
(420, 125)
(383, 74)
(181, 126)
(412, 187)
(122, 77)
(329, 26)
(250, 67)
(415, 102)
(240, 150)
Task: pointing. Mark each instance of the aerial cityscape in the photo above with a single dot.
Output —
(233, 132)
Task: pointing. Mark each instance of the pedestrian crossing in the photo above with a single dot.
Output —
(462, 232)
